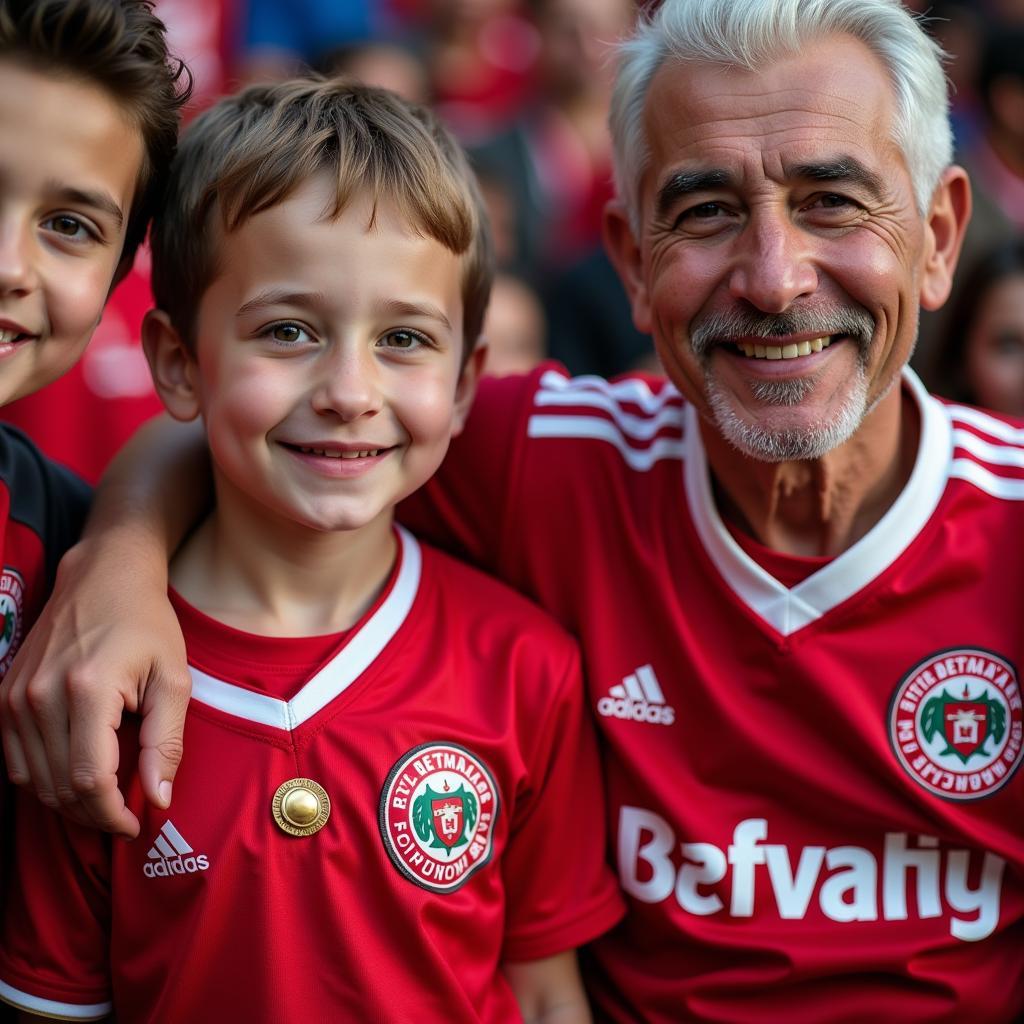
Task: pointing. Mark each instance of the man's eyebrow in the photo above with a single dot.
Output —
(279, 297)
(844, 169)
(86, 197)
(686, 183)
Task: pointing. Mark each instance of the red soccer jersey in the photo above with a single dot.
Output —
(814, 800)
(42, 507)
(448, 735)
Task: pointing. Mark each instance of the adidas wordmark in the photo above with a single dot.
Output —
(171, 855)
(638, 698)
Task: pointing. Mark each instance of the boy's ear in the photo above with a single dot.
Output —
(465, 390)
(171, 365)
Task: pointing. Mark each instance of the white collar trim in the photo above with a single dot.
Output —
(338, 674)
(788, 610)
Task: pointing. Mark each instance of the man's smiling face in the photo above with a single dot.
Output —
(781, 260)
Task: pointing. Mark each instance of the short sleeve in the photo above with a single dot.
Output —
(56, 929)
(45, 496)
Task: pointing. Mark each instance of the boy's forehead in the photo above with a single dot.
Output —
(369, 250)
(67, 136)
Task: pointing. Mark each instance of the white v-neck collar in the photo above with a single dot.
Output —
(339, 673)
(786, 609)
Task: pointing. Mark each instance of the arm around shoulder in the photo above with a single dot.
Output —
(108, 641)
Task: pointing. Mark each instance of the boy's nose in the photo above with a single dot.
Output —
(17, 269)
(772, 267)
(349, 384)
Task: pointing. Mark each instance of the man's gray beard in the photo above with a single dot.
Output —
(786, 445)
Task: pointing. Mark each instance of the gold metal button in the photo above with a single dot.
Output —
(301, 807)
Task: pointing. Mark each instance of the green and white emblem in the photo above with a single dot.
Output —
(956, 723)
(438, 809)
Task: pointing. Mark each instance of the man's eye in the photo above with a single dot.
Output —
(288, 334)
(704, 212)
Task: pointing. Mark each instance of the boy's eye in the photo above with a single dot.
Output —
(403, 339)
(66, 225)
(288, 334)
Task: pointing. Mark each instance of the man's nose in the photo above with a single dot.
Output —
(773, 264)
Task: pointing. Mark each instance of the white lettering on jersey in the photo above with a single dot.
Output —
(853, 884)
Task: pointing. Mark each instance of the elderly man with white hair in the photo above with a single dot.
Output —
(795, 575)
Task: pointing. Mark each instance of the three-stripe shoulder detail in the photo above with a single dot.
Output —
(988, 452)
(643, 423)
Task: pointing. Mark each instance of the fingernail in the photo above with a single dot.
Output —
(165, 793)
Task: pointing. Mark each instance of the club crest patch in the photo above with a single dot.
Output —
(437, 814)
(12, 602)
(956, 723)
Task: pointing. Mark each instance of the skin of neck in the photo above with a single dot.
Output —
(819, 507)
(267, 574)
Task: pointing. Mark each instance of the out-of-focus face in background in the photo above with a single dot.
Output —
(994, 359)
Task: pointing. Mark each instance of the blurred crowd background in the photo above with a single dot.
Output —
(525, 85)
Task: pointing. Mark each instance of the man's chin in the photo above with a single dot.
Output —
(782, 434)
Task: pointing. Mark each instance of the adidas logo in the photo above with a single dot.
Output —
(171, 855)
(639, 698)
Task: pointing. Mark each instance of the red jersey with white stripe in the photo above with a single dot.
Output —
(465, 828)
(814, 795)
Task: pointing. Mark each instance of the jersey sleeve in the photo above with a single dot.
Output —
(56, 931)
(464, 508)
(560, 891)
(45, 496)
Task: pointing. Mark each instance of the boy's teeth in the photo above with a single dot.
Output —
(6, 337)
(791, 351)
(340, 455)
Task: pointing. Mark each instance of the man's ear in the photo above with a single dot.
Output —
(465, 390)
(944, 234)
(171, 365)
(624, 251)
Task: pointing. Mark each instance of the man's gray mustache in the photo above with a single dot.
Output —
(716, 327)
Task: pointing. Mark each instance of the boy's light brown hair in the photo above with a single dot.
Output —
(118, 45)
(250, 151)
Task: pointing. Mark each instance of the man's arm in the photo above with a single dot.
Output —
(549, 991)
(108, 642)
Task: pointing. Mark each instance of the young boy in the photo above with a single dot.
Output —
(88, 123)
(390, 810)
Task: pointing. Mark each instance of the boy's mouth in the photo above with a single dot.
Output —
(8, 336)
(335, 453)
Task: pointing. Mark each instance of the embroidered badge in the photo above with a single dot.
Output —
(438, 809)
(12, 602)
(957, 724)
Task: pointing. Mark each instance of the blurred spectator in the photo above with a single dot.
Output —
(480, 56)
(982, 358)
(384, 64)
(514, 328)
(281, 37)
(995, 161)
(555, 160)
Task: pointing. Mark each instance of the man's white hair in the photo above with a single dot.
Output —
(749, 34)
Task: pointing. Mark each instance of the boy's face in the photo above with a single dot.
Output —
(69, 161)
(327, 365)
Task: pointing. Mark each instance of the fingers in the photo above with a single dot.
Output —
(27, 722)
(93, 755)
(163, 723)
